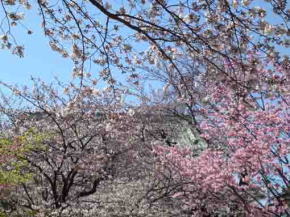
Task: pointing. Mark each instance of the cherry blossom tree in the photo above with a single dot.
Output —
(133, 35)
(224, 71)
(83, 144)
(75, 155)
(246, 131)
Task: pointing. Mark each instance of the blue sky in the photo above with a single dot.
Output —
(39, 60)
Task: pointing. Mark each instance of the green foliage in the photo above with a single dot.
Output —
(12, 152)
(14, 168)
(2, 214)
(33, 139)
(10, 171)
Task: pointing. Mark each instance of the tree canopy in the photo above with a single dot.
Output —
(225, 74)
